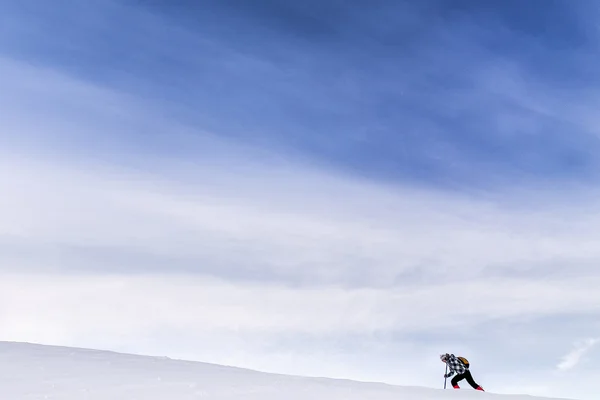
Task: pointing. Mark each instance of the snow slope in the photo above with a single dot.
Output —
(29, 371)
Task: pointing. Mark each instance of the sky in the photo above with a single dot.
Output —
(324, 188)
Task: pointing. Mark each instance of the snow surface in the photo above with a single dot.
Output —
(31, 371)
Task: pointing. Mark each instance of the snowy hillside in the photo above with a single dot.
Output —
(43, 372)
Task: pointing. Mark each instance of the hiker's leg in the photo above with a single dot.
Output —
(457, 379)
(471, 381)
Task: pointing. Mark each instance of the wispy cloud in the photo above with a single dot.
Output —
(571, 359)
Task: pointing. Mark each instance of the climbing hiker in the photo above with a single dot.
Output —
(460, 367)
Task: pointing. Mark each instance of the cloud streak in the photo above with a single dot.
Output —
(409, 236)
(573, 358)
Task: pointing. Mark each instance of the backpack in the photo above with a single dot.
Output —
(464, 361)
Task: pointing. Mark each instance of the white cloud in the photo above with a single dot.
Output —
(572, 359)
(109, 304)
(419, 237)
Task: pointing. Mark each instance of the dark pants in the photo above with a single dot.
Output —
(466, 375)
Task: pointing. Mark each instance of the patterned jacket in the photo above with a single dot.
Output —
(455, 366)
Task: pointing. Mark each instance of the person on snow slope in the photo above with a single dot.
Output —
(460, 367)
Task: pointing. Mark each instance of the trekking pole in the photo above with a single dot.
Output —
(445, 379)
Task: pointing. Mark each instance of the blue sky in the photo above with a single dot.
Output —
(322, 188)
(393, 91)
